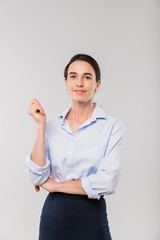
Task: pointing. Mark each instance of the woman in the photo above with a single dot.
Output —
(76, 157)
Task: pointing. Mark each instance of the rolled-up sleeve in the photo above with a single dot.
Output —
(36, 174)
(105, 180)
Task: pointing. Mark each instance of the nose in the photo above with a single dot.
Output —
(79, 82)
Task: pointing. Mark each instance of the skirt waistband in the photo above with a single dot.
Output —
(73, 196)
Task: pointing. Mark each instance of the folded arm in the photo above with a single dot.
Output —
(72, 187)
(105, 180)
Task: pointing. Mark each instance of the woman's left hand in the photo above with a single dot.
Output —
(47, 185)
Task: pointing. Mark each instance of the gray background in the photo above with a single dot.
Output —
(37, 39)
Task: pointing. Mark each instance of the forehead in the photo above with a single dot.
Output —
(81, 67)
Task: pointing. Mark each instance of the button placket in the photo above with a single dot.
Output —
(70, 154)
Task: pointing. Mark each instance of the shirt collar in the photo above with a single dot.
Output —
(98, 112)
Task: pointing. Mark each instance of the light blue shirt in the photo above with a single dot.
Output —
(94, 153)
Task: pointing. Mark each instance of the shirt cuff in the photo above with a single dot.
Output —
(88, 189)
(36, 168)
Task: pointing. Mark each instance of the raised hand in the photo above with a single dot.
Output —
(36, 111)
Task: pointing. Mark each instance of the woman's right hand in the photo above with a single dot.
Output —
(36, 111)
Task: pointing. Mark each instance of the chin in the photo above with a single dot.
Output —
(81, 100)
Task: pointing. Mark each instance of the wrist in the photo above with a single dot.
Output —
(41, 126)
(55, 187)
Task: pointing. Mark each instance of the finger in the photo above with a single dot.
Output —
(41, 110)
(35, 101)
(38, 108)
(38, 105)
(37, 188)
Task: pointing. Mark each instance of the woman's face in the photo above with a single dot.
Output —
(81, 81)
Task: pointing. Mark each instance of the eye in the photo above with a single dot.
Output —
(87, 77)
(72, 76)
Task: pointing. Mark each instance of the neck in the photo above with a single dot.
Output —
(81, 111)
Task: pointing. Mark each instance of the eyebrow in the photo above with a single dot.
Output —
(84, 73)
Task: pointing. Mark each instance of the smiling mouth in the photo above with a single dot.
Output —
(79, 91)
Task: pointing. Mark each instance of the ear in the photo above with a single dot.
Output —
(65, 80)
(98, 85)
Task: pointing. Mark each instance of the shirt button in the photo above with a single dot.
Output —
(70, 156)
(73, 140)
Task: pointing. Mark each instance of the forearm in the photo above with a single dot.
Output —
(38, 151)
(73, 187)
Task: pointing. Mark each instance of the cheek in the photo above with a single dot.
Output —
(70, 85)
(90, 87)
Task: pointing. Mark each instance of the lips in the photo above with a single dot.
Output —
(79, 91)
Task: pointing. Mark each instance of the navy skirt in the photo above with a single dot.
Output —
(73, 217)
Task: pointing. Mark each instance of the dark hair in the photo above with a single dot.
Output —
(86, 58)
